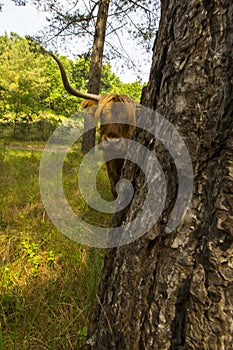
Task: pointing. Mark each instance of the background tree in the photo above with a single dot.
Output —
(174, 290)
(88, 141)
(75, 21)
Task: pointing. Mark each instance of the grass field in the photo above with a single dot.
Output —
(47, 282)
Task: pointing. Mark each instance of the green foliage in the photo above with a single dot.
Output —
(30, 80)
(82, 334)
(33, 100)
(24, 86)
(32, 250)
(110, 82)
(29, 127)
(133, 90)
(59, 100)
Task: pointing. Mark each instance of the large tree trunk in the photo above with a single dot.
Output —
(95, 69)
(175, 290)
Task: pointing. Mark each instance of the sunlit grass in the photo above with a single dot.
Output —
(47, 281)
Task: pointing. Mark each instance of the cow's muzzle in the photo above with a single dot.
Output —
(109, 144)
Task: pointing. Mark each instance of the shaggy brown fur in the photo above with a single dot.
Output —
(116, 114)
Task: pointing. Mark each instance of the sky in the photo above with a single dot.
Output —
(26, 20)
(20, 19)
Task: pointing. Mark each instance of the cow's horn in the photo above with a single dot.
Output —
(67, 85)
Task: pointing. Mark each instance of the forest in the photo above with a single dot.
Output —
(33, 101)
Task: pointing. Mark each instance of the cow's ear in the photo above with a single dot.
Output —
(90, 108)
(88, 104)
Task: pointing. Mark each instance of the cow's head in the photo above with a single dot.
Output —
(116, 114)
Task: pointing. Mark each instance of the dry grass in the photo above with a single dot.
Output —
(47, 282)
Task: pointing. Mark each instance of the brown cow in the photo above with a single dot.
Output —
(116, 114)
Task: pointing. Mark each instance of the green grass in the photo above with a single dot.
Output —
(47, 282)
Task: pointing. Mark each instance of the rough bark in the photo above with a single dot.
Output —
(175, 291)
(95, 69)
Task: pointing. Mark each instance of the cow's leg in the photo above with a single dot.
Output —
(114, 172)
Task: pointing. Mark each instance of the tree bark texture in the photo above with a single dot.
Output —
(95, 69)
(175, 290)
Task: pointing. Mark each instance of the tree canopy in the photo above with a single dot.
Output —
(130, 24)
(31, 82)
